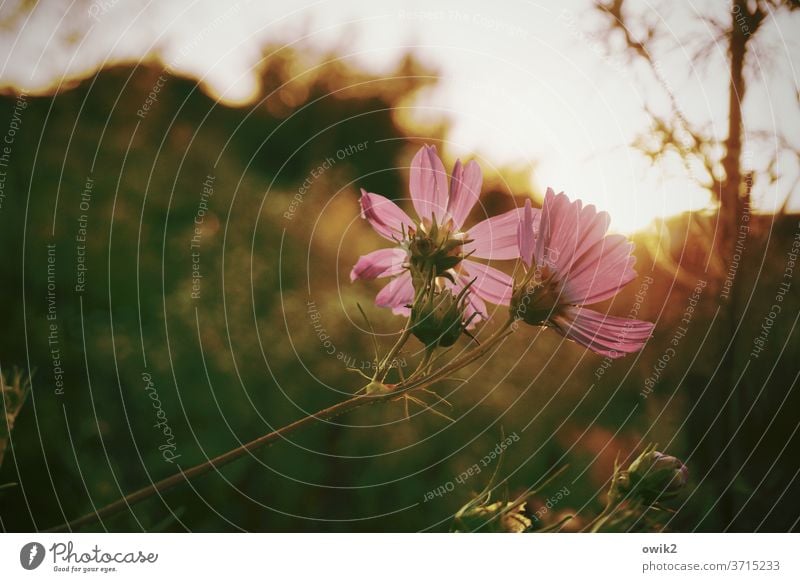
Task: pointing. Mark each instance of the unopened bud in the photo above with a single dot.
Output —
(439, 319)
(654, 476)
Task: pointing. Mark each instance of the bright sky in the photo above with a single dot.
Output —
(524, 83)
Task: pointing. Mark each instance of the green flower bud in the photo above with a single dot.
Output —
(654, 476)
(439, 319)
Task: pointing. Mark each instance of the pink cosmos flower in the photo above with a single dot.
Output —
(572, 262)
(433, 200)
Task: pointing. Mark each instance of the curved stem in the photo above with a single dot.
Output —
(219, 461)
(608, 512)
(269, 438)
(386, 363)
(426, 358)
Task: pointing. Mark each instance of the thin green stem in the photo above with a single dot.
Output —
(477, 352)
(326, 414)
(423, 363)
(608, 512)
(217, 462)
(386, 363)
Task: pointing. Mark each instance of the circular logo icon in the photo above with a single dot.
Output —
(31, 555)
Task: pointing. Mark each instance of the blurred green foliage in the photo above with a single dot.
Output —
(245, 357)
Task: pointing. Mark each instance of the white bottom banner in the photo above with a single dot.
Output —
(388, 557)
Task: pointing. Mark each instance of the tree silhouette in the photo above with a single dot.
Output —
(729, 177)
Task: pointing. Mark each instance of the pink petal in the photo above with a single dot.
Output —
(603, 334)
(465, 188)
(385, 216)
(525, 234)
(589, 265)
(398, 295)
(490, 284)
(593, 227)
(380, 263)
(498, 237)
(558, 227)
(428, 183)
(601, 272)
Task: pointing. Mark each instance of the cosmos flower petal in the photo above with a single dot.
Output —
(600, 274)
(428, 184)
(490, 284)
(465, 188)
(398, 295)
(587, 264)
(593, 227)
(386, 217)
(578, 236)
(525, 234)
(380, 263)
(498, 237)
(606, 335)
(558, 227)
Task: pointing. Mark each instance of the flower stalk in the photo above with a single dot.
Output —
(371, 397)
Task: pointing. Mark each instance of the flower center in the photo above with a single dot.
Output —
(536, 300)
(434, 250)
